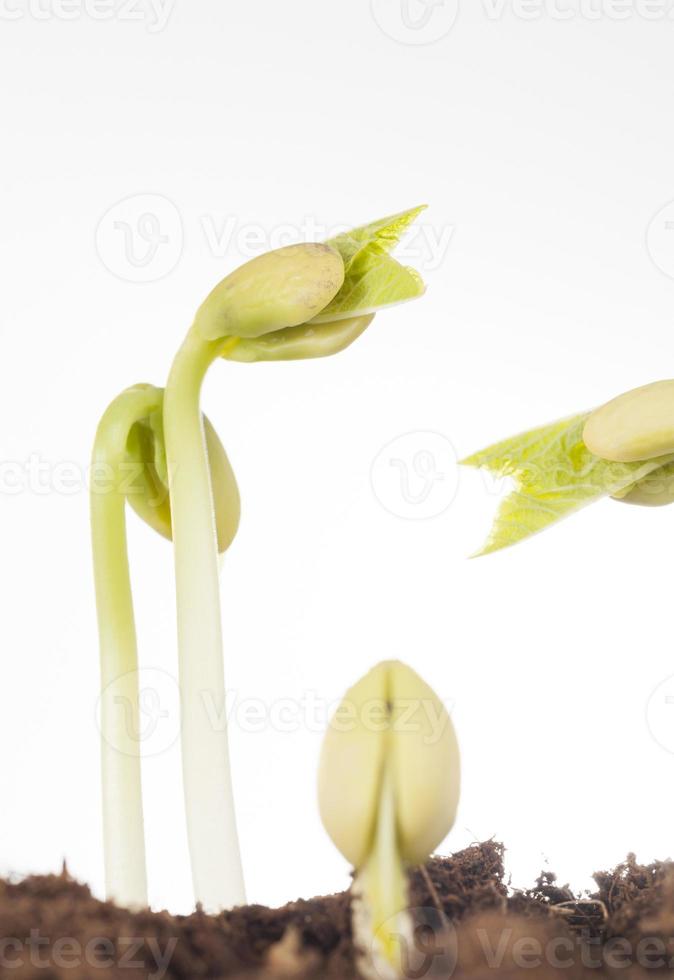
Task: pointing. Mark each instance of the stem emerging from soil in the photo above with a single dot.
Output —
(125, 870)
(209, 802)
(381, 923)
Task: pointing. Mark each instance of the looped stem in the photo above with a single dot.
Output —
(124, 844)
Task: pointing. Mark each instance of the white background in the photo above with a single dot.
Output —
(543, 144)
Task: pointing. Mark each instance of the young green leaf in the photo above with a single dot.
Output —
(377, 236)
(555, 474)
(372, 279)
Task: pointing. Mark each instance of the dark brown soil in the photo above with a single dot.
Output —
(470, 924)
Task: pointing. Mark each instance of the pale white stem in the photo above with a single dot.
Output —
(124, 845)
(209, 802)
(382, 925)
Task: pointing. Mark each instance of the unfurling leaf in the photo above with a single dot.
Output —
(372, 279)
(554, 474)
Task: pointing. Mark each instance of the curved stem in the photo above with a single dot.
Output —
(124, 845)
(209, 803)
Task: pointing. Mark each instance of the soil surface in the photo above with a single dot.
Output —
(470, 924)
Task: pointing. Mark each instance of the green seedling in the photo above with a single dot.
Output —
(280, 289)
(302, 301)
(299, 301)
(388, 792)
(129, 466)
(624, 450)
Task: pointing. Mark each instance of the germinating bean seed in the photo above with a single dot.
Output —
(635, 426)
